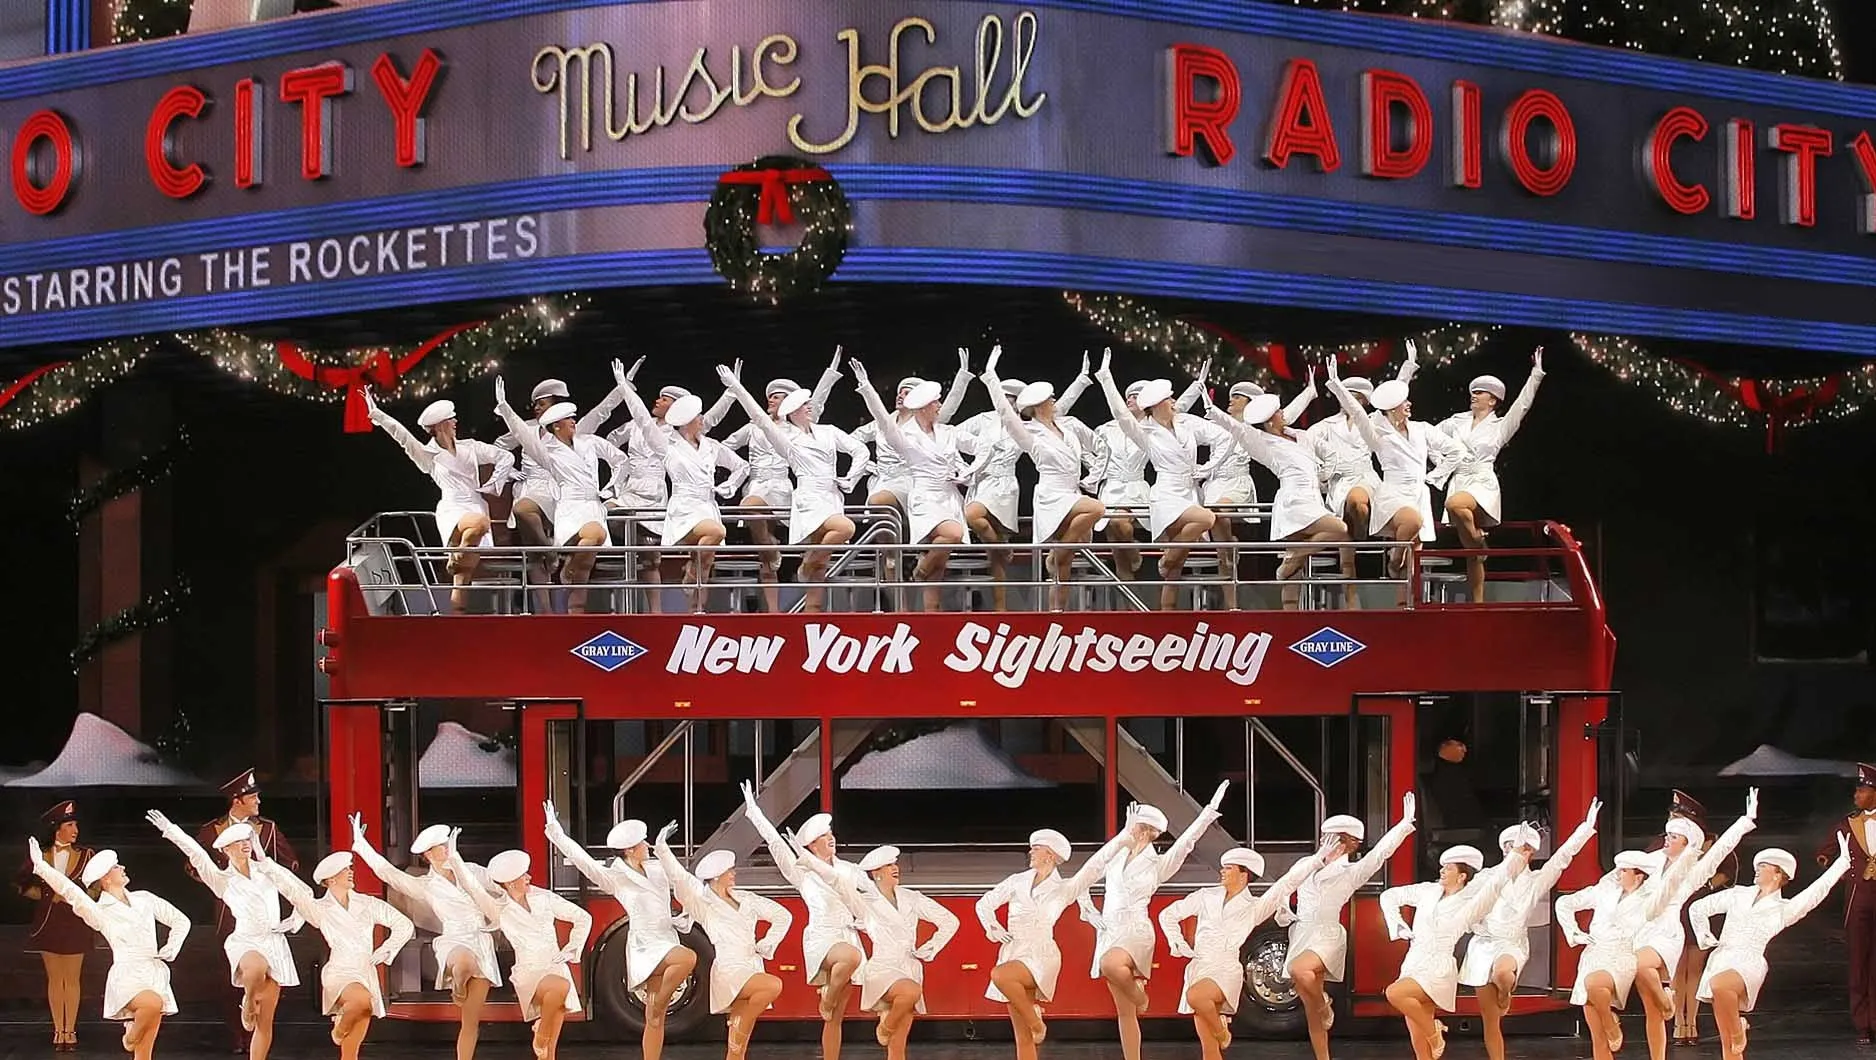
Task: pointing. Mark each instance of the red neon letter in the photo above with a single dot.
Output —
(1380, 91)
(1804, 143)
(1559, 143)
(1468, 161)
(43, 189)
(1658, 156)
(1739, 171)
(406, 100)
(1865, 152)
(1301, 125)
(313, 88)
(177, 182)
(1194, 121)
(250, 109)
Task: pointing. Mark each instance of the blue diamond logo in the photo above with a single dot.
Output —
(1326, 647)
(609, 651)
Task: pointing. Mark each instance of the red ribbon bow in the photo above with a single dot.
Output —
(773, 207)
(20, 385)
(378, 370)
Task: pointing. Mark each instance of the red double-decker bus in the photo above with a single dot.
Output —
(953, 734)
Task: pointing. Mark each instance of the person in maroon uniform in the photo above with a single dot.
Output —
(1859, 906)
(58, 936)
(244, 805)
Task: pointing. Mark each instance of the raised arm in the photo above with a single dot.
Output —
(63, 886)
(1560, 859)
(395, 878)
(1728, 841)
(419, 453)
(1811, 897)
(1482, 897)
(1182, 847)
(1410, 367)
(1096, 864)
(1278, 895)
(1195, 391)
(294, 889)
(759, 418)
(843, 887)
(1521, 405)
(1354, 410)
(824, 387)
(597, 416)
(688, 888)
(1370, 863)
(883, 422)
(206, 869)
(1065, 401)
(587, 865)
(716, 413)
(469, 884)
(528, 438)
(1300, 403)
(780, 852)
(1117, 405)
(1013, 424)
(1255, 441)
(944, 924)
(650, 431)
(960, 383)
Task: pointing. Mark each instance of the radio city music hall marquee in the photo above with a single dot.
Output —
(1038, 109)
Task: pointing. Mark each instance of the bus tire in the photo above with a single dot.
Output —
(1269, 1006)
(622, 1010)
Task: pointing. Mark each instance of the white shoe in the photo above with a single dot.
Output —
(1439, 1040)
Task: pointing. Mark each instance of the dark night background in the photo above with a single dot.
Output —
(1695, 528)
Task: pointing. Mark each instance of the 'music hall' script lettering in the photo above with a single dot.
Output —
(630, 108)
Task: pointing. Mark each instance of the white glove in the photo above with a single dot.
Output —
(726, 491)
(162, 823)
(358, 830)
(1285, 916)
(682, 923)
(570, 953)
(1401, 932)
(766, 950)
(1706, 940)
(1218, 797)
(1179, 947)
(553, 829)
(1576, 936)
(291, 925)
(1752, 804)
(1106, 371)
(501, 394)
(1093, 916)
(384, 954)
(926, 953)
(168, 953)
(998, 934)
(1407, 802)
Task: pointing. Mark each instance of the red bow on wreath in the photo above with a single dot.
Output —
(378, 370)
(773, 207)
(1796, 405)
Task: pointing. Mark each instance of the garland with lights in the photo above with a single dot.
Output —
(1188, 344)
(777, 190)
(57, 389)
(146, 614)
(443, 362)
(121, 483)
(135, 20)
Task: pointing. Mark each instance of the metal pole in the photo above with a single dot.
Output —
(690, 791)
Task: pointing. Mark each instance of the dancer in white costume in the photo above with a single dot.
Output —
(741, 988)
(1620, 906)
(532, 515)
(1117, 478)
(1659, 945)
(817, 497)
(891, 481)
(1501, 943)
(136, 990)
(1318, 953)
(770, 485)
(1754, 916)
(1028, 960)
(1402, 508)
(929, 450)
(830, 944)
(1123, 932)
(349, 990)
(656, 959)
(892, 982)
(465, 948)
(259, 961)
(1350, 482)
(1472, 495)
(570, 460)
(1226, 915)
(529, 918)
(1055, 443)
(1231, 484)
(1261, 431)
(1444, 911)
(1171, 441)
(455, 465)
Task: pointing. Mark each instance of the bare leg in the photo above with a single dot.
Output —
(1124, 983)
(931, 566)
(1404, 526)
(1605, 1029)
(768, 558)
(146, 1018)
(1463, 510)
(1208, 1017)
(580, 565)
(267, 999)
(663, 982)
(551, 997)
(755, 998)
(1227, 557)
(1418, 1010)
(839, 965)
(470, 530)
(837, 530)
(1192, 524)
(1312, 985)
(1126, 560)
(1310, 538)
(1077, 528)
(895, 1024)
(531, 525)
(1355, 509)
(650, 572)
(1729, 999)
(1686, 987)
(985, 529)
(1494, 1002)
(1656, 1008)
(470, 990)
(707, 535)
(1019, 987)
(354, 1018)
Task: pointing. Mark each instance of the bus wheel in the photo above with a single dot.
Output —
(623, 1010)
(1270, 1007)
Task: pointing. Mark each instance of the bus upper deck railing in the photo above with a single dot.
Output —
(402, 569)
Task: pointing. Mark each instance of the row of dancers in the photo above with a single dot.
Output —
(1632, 940)
(953, 482)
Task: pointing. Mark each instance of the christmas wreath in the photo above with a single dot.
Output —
(777, 190)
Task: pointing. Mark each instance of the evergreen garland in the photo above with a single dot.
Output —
(148, 613)
(119, 483)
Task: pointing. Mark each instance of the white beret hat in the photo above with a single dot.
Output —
(1489, 384)
(1052, 841)
(436, 412)
(780, 386)
(1389, 395)
(815, 827)
(1463, 855)
(508, 866)
(101, 862)
(234, 833)
(331, 865)
(922, 395)
(715, 864)
(434, 836)
(1245, 858)
(562, 410)
(1778, 859)
(547, 388)
(879, 858)
(626, 834)
(795, 399)
(1343, 824)
(1246, 389)
(1687, 830)
(1032, 395)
